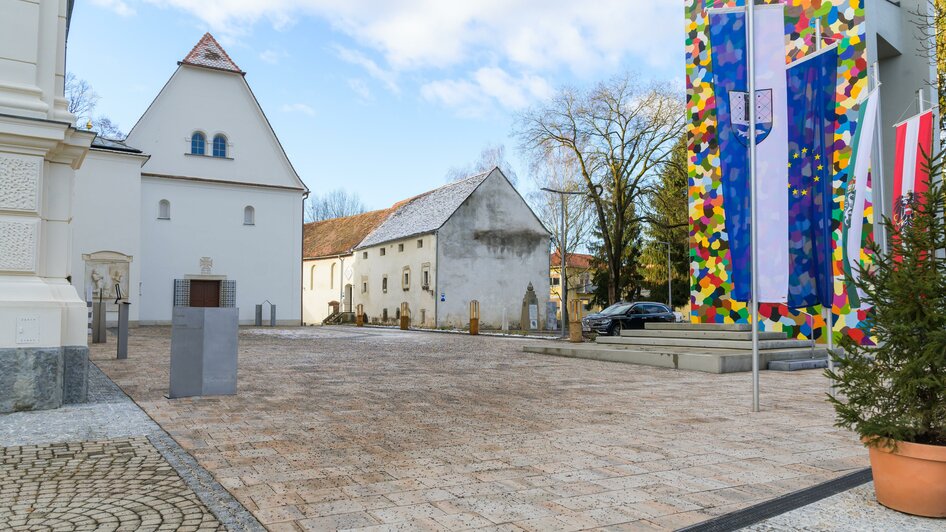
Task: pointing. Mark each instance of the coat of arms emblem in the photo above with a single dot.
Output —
(739, 114)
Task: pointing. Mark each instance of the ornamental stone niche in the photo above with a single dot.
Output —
(103, 271)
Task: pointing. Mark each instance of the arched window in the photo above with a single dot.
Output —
(164, 210)
(220, 146)
(331, 277)
(198, 141)
(249, 215)
(312, 278)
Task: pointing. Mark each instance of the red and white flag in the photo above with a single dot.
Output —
(910, 177)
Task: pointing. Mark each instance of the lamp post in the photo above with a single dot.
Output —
(562, 255)
(669, 273)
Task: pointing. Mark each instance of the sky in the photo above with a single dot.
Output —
(379, 97)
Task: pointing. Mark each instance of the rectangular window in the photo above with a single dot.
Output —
(554, 281)
(425, 276)
(400, 247)
(384, 284)
(420, 243)
(364, 285)
(382, 252)
(364, 254)
(406, 279)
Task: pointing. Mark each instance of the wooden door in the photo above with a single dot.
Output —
(205, 293)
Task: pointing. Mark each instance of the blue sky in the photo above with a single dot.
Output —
(380, 97)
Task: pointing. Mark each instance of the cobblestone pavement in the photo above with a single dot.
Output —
(109, 485)
(80, 466)
(338, 427)
(856, 509)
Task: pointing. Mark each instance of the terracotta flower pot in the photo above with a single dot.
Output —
(911, 479)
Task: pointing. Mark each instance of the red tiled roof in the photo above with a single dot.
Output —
(338, 236)
(575, 260)
(208, 53)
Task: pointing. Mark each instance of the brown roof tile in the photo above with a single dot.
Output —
(575, 260)
(208, 53)
(338, 236)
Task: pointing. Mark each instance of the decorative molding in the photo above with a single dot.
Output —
(20, 182)
(18, 245)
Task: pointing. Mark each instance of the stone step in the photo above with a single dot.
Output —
(698, 343)
(705, 362)
(803, 352)
(684, 326)
(798, 364)
(704, 335)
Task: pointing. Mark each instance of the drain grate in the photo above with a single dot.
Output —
(787, 503)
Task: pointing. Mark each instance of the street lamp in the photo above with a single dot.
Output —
(669, 271)
(562, 256)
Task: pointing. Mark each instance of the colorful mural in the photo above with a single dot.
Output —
(842, 22)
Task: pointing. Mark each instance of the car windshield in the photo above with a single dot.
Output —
(614, 310)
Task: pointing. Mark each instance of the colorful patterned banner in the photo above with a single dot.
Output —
(842, 23)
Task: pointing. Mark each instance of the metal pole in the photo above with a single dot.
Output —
(919, 101)
(882, 188)
(563, 286)
(829, 312)
(750, 49)
(669, 285)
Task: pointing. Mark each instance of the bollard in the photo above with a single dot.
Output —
(123, 330)
(360, 316)
(99, 335)
(574, 325)
(259, 316)
(474, 317)
(272, 315)
(405, 316)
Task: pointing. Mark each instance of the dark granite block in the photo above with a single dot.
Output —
(30, 378)
(75, 374)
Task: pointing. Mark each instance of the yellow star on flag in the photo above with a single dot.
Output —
(804, 151)
(817, 156)
(816, 179)
(795, 156)
(789, 165)
(795, 192)
(820, 167)
(804, 192)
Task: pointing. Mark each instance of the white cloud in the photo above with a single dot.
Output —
(534, 34)
(487, 86)
(272, 56)
(355, 57)
(359, 87)
(297, 108)
(118, 6)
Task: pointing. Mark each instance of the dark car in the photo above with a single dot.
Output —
(621, 316)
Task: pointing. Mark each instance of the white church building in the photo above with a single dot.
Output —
(198, 206)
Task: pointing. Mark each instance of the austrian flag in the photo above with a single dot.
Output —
(910, 177)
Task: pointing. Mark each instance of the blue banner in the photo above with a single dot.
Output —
(728, 50)
(812, 84)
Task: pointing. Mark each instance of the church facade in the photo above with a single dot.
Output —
(199, 205)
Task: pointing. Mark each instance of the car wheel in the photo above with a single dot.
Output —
(616, 329)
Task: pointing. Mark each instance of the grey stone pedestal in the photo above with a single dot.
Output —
(41, 378)
(204, 345)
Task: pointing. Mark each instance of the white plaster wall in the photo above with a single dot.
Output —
(211, 101)
(490, 250)
(107, 216)
(265, 259)
(392, 264)
(321, 286)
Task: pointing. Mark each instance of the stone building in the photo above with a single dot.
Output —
(580, 273)
(43, 350)
(474, 239)
(199, 199)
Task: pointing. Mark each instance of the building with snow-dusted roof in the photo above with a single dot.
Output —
(473, 239)
(198, 206)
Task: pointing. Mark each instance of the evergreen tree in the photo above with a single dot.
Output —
(897, 389)
(669, 222)
(631, 280)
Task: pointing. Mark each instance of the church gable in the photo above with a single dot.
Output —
(206, 123)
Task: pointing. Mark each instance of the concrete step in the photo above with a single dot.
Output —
(803, 352)
(705, 362)
(698, 343)
(798, 364)
(685, 326)
(703, 335)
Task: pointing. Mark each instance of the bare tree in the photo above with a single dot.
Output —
(491, 156)
(557, 168)
(82, 103)
(82, 98)
(620, 133)
(337, 203)
(929, 17)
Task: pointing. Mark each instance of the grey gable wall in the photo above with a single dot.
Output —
(490, 250)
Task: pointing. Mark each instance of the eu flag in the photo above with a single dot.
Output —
(812, 83)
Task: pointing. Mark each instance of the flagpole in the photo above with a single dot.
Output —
(829, 311)
(880, 163)
(754, 300)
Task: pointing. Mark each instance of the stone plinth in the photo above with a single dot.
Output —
(204, 345)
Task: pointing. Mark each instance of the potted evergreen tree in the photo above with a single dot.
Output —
(893, 394)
